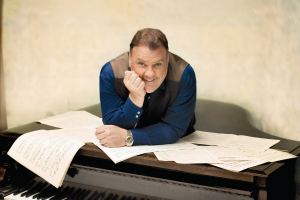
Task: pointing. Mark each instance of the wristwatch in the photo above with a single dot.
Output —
(129, 139)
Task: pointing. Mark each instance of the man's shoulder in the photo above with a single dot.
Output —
(189, 72)
(175, 59)
(120, 64)
(106, 70)
(176, 67)
(123, 56)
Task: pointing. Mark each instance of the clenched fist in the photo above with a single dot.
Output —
(136, 87)
(111, 136)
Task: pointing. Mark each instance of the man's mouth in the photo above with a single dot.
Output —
(149, 80)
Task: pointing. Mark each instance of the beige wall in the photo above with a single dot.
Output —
(244, 52)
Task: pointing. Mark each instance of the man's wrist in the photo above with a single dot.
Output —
(137, 100)
(129, 139)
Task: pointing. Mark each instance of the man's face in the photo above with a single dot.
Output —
(150, 65)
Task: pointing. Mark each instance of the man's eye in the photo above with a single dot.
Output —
(141, 64)
(157, 65)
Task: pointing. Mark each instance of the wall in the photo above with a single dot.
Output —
(244, 52)
(3, 122)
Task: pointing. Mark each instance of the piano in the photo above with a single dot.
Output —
(92, 175)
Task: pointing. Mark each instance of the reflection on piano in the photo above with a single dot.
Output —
(92, 175)
(40, 189)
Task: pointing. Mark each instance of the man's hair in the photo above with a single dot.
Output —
(152, 38)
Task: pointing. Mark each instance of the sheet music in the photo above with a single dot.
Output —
(48, 155)
(207, 138)
(73, 119)
(193, 156)
(82, 134)
(249, 143)
(162, 156)
(122, 153)
(272, 155)
(63, 115)
(230, 140)
(257, 158)
(239, 166)
(227, 153)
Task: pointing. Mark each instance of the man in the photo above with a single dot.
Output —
(147, 96)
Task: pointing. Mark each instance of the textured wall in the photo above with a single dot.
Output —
(244, 52)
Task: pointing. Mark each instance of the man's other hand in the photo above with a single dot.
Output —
(136, 87)
(111, 136)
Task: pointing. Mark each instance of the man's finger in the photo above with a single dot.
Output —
(133, 78)
(128, 74)
(103, 141)
(98, 132)
(101, 136)
(141, 85)
(137, 81)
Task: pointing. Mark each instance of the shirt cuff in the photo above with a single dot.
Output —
(131, 110)
(139, 136)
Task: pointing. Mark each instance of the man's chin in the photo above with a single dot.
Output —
(150, 89)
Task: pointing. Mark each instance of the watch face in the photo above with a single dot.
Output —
(129, 140)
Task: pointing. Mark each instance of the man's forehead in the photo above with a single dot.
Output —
(143, 53)
(157, 59)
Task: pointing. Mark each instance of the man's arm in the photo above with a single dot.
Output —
(177, 118)
(115, 111)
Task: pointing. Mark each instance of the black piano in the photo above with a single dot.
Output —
(92, 175)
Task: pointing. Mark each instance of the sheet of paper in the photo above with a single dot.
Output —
(63, 116)
(239, 166)
(272, 155)
(249, 143)
(207, 138)
(162, 156)
(225, 152)
(47, 155)
(192, 156)
(73, 119)
(230, 140)
(122, 153)
(257, 158)
(82, 134)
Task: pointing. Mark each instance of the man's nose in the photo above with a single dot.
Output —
(149, 72)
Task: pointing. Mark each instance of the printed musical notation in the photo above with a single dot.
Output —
(122, 153)
(230, 140)
(48, 155)
(73, 119)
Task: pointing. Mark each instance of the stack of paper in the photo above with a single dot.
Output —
(122, 153)
(235, 152)
(230, 140)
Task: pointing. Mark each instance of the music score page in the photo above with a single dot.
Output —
(230, 140)
(47, 155)
(162, 156)
(193, 156)
(122, 153)
(73, 119)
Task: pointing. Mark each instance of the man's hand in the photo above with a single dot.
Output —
(111, 136)
(136, 87)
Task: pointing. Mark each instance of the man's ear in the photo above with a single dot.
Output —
(129, 60)
(168, 59)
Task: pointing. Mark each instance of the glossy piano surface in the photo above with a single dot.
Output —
(40, 189)
(211, 116)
